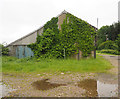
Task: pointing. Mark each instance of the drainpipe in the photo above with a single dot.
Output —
(95, 48)
(64, 53)
(78, 55)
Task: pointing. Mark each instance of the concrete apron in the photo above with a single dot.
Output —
(4, 90)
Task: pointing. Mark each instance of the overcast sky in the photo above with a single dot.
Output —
(20, 17)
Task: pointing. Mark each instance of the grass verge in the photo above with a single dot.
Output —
(32, 65)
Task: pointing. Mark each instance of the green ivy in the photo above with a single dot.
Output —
(52, 24)
(75, 34)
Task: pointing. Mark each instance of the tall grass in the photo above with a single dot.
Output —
(27, 65)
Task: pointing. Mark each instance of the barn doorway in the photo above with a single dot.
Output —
(23, 51)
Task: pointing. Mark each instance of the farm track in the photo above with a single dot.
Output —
(115, 61)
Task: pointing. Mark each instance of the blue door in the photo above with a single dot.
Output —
(28, 52)
(23, 51)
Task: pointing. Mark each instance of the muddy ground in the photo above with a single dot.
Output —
(64, 84)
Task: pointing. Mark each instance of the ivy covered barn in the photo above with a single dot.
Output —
(62, 36)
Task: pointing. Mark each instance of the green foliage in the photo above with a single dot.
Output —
(74, 34)
(3, 50)
(108, 33)
(52, 24)
(109, 51)
(108, 45)
(77, 34)
(118, 42)
(46, 44)
(102, 34)
(114, 30)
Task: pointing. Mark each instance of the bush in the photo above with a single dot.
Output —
(3, 50)
(110, 51)
(108, 45)
(118, 42)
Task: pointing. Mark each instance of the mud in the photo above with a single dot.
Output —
(90, 85)
(45, 85)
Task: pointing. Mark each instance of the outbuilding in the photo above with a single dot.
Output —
(19, 47)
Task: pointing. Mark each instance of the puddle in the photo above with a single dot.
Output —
(45, 85)
(112, 56)
(96, 88)
(107, 90)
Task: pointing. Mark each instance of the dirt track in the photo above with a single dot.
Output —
(114, 60)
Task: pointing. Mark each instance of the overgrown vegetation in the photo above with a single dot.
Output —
(3, 50)
(108, 51)
(75, 34)
(108, 39)
(33, 65)
(118, 42)
(108, 45)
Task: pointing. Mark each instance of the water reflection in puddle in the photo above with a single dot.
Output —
(45, 85)
(98, 89)
(107, 90)
(5, 89)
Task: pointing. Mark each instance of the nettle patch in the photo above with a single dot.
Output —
(75, 34)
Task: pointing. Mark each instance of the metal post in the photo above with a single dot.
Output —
(95, 48)
(64, 53)
(95, 41)
(78, 55)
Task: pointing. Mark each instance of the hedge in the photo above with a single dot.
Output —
(110, 51)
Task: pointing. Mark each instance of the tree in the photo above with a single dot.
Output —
(102, 34)
(114, 30)
(108, 45)
(108, 33)
(118, 42)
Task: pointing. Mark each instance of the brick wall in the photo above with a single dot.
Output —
(60, 20)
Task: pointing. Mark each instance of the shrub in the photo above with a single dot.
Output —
(3, 50)
(118, 42)
(108, 45)
(110, 51)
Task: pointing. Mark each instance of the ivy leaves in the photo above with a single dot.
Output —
(75, 34)
(78, 32)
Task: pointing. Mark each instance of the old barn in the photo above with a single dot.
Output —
(19, 47)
